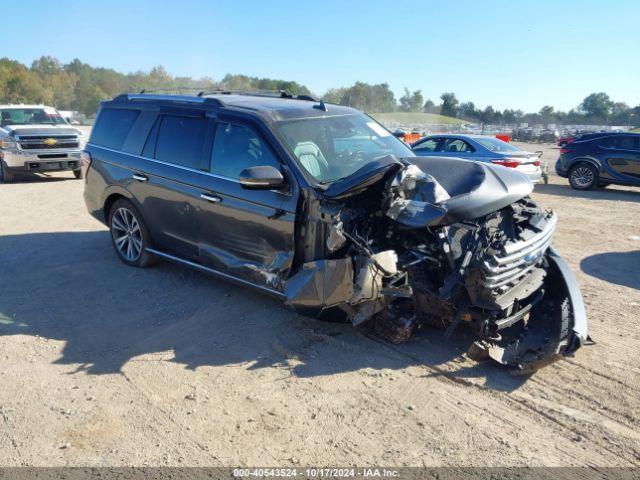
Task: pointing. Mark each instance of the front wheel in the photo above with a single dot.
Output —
(583, 176)
(77, 174)
(5, 176)
(129, 235)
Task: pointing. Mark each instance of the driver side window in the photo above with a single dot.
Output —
(236, 147)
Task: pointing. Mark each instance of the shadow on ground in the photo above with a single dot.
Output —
(70, 287)
(621, 268)
(609, 193)
(41, 178)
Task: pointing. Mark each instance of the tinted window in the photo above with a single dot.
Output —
(455, 145)
(236, 147)
(113, 126)
(427, 146)
(622, 142)
(180, 140)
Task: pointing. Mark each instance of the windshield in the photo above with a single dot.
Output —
(496, 145)
(331, 148)
(30, 116)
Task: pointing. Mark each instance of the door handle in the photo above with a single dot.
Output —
(210, 198)
(140, 178)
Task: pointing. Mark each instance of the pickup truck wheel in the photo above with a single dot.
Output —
(5, 177)
(77, 174)
(129, 235)
(583, 176)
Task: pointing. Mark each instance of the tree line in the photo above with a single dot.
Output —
(79, 86)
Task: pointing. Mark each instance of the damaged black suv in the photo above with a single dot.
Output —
(322, 206)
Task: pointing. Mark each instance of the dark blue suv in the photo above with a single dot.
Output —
(600, 161)
(323, 207)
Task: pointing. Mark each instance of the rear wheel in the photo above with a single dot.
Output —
(583, 176)
(5, 176)
(129, 235)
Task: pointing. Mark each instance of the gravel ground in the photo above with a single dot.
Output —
(101, 364)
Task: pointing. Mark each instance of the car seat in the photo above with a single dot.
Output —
(312, 159)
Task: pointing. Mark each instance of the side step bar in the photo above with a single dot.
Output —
(215, 273)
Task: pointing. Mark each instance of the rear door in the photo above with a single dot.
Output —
(248, 234)
(168, 181)
(622, 156)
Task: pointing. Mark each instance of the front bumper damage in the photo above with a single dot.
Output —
(420, 259)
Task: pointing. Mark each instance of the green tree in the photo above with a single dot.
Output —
(547, 114)
(467, 110)
(430, 107)
(449, 104)
(597, 107)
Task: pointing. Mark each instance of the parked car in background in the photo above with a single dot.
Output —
(567, 139)
(482, 149)
(601, 160)
(321, 206)
(36, 138)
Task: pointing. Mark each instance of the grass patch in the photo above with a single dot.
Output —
(415, 118)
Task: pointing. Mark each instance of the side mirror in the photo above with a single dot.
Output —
(261, 178)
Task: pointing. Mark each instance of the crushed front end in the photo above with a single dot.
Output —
(409, 251)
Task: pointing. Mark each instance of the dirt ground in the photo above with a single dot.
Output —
(101, 364)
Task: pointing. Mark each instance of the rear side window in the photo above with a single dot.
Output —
(455, 145)
(236, 147)
(113, 126)
(429, 145)
(180, 140)
(622, 142)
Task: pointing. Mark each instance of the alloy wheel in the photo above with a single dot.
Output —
(126, 234)
(582, 177)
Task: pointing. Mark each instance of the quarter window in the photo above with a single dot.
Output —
(180, 140)
(113, 127)
(236, 147)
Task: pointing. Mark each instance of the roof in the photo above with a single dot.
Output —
(271, 107)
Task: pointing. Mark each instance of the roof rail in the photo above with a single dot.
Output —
(169, 97)
(170, 90)
(258, 93)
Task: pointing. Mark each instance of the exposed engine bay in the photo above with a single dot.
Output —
(396, 248)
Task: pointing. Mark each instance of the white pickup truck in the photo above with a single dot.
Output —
(35, 138)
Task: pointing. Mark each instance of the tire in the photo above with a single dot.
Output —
(5, 177)
(583, 176)
(129, 235)
(77, 174)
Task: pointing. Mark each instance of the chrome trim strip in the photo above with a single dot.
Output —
(216, 273)
(548, 229)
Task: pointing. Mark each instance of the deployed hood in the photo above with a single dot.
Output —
(475, 189)
(14, 130)
(428, 191)
(369, 174)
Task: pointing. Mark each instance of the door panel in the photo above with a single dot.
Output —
(622, 157)
(246, 233)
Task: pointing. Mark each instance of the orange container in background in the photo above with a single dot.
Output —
(504, 137)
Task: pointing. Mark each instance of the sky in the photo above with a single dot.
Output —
(508, 54)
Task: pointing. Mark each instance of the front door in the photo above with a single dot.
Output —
(248, 234)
